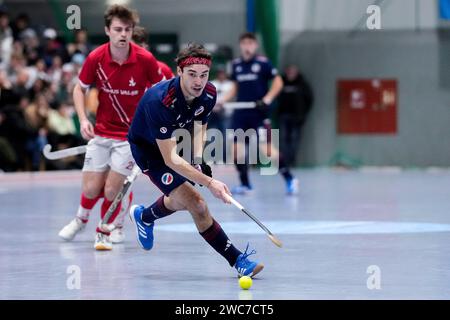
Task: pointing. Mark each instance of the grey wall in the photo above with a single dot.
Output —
(418, 60)
(326, 15)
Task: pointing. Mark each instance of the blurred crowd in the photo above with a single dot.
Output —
(38, 71)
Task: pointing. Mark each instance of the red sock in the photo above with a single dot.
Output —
(89, 203)
(105, 206)
(86, 206)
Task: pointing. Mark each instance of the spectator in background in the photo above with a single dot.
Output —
(60, 120)
(17, 63)
(20, 74)
(64, 88)
(52, 46)
(7, 155)
(77, 62)
(55, 71)
(6, 40)
(81, 43)
(295, 102)
(31, 46)
(41, 70)
(16, 130)
(8, 158)
(36, 115)
(20, 24)
(62, 134)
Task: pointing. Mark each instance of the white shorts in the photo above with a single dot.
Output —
(103, 154)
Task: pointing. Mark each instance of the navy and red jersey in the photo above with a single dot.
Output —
(252, 77)
(163, 109)
(120, 86)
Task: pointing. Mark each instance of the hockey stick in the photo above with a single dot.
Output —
(271, 236)
(122, 193)
(60, 154)
(239, 105)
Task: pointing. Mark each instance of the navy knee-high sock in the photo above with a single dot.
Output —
(217, 239)
(156, 211)
(284, 169)
(243, 174)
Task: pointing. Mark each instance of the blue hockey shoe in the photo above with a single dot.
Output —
(245, 267)
(144, 231)
(292, 186)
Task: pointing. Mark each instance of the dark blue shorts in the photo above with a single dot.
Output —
(150, 161)
(247, 119)
(251, 119)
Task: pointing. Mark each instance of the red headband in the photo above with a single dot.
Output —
(194, 60)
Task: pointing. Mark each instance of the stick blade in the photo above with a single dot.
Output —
(275, 240)
(47, 151)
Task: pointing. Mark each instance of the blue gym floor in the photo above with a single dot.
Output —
(341, 227)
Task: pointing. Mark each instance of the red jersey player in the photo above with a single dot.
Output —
(140, 37)
(121, 71)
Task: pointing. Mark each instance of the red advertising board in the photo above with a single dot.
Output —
(367, 106)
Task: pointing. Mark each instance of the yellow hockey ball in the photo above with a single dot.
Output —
(245, 282)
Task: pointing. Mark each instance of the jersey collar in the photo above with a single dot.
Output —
(252, 59)
(132, 57)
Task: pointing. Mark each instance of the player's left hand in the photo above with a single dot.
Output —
(261, 106)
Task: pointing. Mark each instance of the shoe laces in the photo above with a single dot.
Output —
(245, 255)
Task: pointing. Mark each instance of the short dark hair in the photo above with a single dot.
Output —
(122, 13)
(248, 35)
(194, 50)
(140, 35)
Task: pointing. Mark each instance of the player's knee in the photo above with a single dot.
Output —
(110, 192)
(91, 190)
(198, 206)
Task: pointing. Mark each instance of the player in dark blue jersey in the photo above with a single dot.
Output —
(251, 74)
(167, 106)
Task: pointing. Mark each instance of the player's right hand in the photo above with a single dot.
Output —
(87, 129)
(219, 190)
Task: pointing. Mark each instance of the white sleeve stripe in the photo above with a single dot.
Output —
(84, 85)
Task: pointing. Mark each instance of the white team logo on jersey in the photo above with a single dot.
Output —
(256, 67)
(199, 110)
(238, 69)
(131, 83)
(163, 130)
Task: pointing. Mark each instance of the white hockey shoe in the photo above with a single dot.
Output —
(69, 231)
(117, 235)
(102, 242)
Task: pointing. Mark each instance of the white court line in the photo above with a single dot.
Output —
(320, 227)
